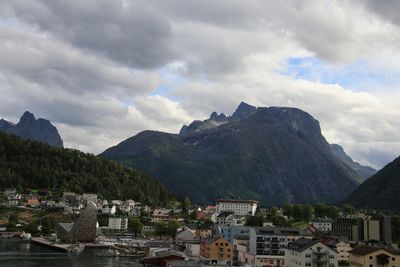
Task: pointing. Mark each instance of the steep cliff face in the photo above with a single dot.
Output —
(34, 129)
(381, 191)
(273, 154)
(364, 171)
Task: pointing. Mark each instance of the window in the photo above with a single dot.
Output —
(370, 257)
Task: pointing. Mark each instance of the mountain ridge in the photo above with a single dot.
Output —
(381, 191)
(258, 153)
(30, 128)
(364, 171)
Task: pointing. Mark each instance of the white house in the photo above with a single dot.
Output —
(322, 225)
(238, 207)
(306, 252)
(120, 224)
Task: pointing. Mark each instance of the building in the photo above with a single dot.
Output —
(307, 252)
(89, 198)
(233, 232)
(119, 224)
(193, 247)
(363, 228)
(341, 246)
(322, 225)
(180, 263)
(226, 218)
(267, 244)
(351, 229)
(368, 256)
(216, 251)
(238, 207)
(163, 257)
(83, 230)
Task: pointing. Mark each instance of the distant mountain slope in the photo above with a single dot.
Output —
(274, 154)
(381, 191)
(364, 171)
(33, 129)
(30, 164)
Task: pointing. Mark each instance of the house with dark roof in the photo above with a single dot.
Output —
(308, 252)
(371, 256)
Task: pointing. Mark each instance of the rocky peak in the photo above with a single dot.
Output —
(27, 117)
(31, 128)
(242, 110)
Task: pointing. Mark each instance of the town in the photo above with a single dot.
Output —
(233, 232)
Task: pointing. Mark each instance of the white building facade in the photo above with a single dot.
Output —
(310, 253)
(238, 207)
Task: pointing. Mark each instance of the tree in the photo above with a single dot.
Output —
(172, 227)
(161, 229)
(307, 213)
(279, 221)
(332, 212)
(320, 211)
(135, 226)
(185, 205)
(254, 221)
(288, 210)
(297, 213)
(348, 209)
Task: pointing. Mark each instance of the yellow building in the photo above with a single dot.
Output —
(368, 256)
(216, 251)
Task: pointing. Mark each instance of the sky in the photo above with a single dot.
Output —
(103, 71)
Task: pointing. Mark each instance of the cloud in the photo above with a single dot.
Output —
(105, 70)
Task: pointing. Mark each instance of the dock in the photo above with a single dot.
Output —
(66, 248)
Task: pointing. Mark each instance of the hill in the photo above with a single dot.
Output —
(30, 128)
(364, 171)
(273, 154)
(29, 164)
(381, 191)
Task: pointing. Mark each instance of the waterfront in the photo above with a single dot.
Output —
(19, 253)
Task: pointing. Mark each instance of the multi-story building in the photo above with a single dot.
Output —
(233, 231)
(351, 229)
(238, 207)
(267, 244)
(363, 227)
(120, 224)
(312, 253)
(216, 251)
(369, 256)
(89, 198)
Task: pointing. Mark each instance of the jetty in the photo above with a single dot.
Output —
(67, 248)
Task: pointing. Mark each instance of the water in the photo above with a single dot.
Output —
(19, 253)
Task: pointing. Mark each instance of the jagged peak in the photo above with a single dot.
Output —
(27, 117)
(242, 110)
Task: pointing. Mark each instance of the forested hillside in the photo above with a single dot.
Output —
(29, 164)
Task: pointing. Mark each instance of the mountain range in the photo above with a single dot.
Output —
(272, 154)
(30, 128)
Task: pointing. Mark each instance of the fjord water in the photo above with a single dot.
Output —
(18, 253)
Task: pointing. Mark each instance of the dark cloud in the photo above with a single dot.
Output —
(134, 34)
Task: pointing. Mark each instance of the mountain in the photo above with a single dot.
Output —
(273, 154)
(34, 129)
(30, 164)
(381, 191)
(364, 171)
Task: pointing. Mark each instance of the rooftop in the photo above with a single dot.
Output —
(237, 201)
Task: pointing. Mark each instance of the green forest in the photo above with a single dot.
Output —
(28, 164)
